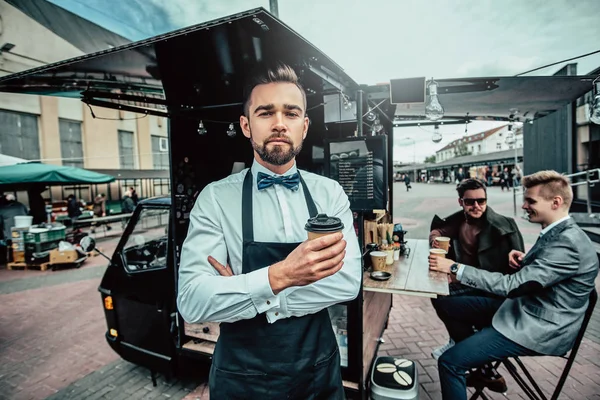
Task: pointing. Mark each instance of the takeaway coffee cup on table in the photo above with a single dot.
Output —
(322, 225)
(438, 252)
(378, 260)
(443, 242)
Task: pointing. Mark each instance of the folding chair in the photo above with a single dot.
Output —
(527, 389)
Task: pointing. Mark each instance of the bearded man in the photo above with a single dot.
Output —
(246, 261)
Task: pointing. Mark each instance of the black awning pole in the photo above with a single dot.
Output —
(359, 112)
(274, 8)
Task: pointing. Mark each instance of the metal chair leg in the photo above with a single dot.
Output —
(531, 380)
(512, 370)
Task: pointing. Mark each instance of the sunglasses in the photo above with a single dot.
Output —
(470, 202)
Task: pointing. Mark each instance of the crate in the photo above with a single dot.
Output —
(42, 235)
(32, 248)
(18, 256)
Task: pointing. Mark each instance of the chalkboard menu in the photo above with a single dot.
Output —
(359, 164)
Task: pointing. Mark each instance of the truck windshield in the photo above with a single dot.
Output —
(146, 247)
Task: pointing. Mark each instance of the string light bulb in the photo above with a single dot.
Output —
(201, 129)
(377, 127)
(231, 132)
(437, 136)
(433, 109)
(370, 115)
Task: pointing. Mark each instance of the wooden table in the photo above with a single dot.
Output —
(411, 275)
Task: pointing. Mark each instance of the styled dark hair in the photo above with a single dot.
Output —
(280, 73)
(469, 184)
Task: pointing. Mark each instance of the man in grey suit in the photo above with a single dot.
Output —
(540, 308)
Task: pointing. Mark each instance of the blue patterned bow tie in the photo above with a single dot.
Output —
(291, 181)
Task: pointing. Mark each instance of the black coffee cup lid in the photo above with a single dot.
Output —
(324, 223)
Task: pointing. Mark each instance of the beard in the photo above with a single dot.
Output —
(279, 154)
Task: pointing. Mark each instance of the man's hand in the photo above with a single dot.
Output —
(224, 270)
(310, 262)
(515, 257)
(440, 264)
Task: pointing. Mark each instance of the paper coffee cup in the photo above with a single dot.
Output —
(438, 252)
(378, 260)
(443, 242)
(390, 257)
(322, 225)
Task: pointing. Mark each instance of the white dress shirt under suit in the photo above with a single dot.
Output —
(279, 215)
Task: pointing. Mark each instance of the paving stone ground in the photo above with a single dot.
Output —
(52, 328)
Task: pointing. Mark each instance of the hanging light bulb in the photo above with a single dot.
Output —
(201, 129)
(347, 103)
(377, 127)
(437, 136)
(595, 107)
(433, 109)
(370, 115)
(231, 132)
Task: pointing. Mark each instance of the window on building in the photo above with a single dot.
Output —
(126, 150)
(160, 157)
(161, 186)
(498, 146)
(479, 148)
(71, 146)
(19, 135)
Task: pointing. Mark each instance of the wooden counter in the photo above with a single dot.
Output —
(411, 275)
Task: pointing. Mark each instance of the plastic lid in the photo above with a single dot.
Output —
(324, 223)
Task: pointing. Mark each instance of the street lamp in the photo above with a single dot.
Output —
(511, 139)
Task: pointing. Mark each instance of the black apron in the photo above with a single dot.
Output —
(293, 358)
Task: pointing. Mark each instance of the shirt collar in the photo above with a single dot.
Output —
(256, 168)
(552, 225)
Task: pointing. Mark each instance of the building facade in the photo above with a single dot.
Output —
(64, 131)
(490, 141)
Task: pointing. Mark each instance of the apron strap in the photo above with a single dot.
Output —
(247, 227)
(247, 223)
(312, 208)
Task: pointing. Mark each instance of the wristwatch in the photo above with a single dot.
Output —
(454, 268)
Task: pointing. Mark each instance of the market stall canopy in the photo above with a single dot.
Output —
(132, 77)
(495, 97)
(48, 174)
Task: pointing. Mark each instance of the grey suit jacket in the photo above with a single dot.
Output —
(548, 296)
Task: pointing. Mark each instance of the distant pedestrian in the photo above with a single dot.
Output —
(9, 209)
(504, 179)
(407, 182)
(127, 204)
(73, 208)
(134, 195)
(517, 174)
(100, 211)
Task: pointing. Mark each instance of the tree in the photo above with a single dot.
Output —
(430, 160)
(461, 149)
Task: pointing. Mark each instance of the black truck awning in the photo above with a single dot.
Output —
(494, 97)
(131, 77)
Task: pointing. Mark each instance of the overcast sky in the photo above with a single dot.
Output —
(377, 40)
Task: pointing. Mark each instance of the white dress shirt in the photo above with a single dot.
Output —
(279, 215)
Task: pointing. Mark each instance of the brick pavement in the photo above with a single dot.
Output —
(52, 327)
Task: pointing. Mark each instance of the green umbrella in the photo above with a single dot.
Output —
(49, 174)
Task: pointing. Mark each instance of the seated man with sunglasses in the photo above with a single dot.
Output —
(481, 238)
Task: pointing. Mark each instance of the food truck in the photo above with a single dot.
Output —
(194, 77)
